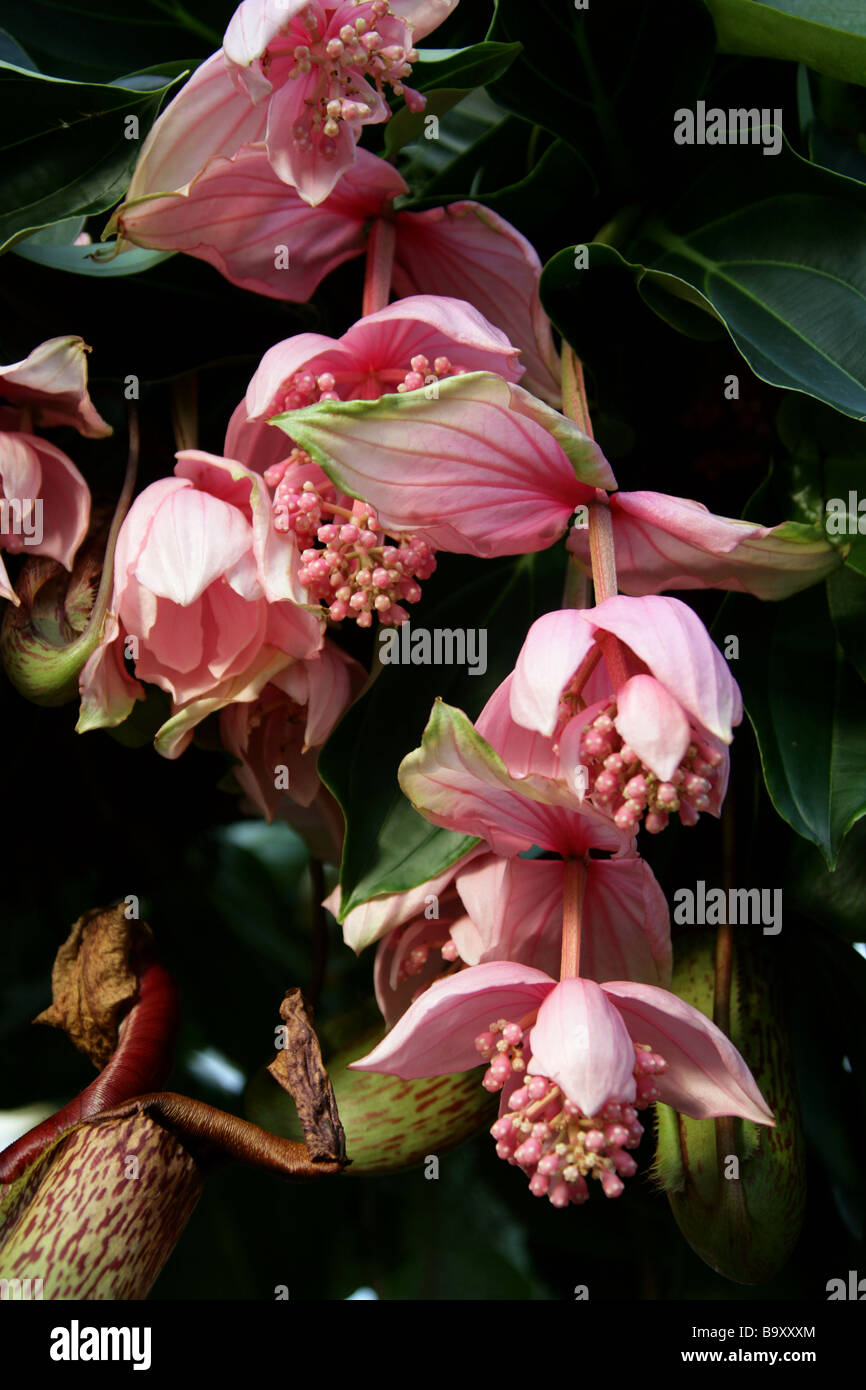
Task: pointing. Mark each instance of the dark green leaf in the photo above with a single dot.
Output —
(593, 76)
(65, 148)
(773, 247)
(829, 35)
(805, 704)
(12, 52)
(846, 591)
(466, 68)
(94, 40)
(837, 900)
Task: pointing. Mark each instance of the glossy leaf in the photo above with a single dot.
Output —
(772, 248)
(805, 703)
(65, 149)
(828, 35)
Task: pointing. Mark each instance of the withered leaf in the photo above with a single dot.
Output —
(94, 980)
(299, 1069)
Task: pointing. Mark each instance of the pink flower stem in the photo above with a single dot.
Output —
(380, 263)
(574, 390)
(601, 547)
(573, 884)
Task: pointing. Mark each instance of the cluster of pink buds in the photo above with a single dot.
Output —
(421, 373)
(372, 47)
(302, 389)
(550, 1138)
(624, 787)
(355, 573)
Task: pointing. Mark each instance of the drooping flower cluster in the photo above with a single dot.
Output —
(550, 1138)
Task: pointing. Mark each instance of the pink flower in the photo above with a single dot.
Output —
(200, 604)
(408, 356)
(302, 77)
(50, 387)
(666, 542)
(277, 737)
(577, 1061)
(645, 737)
(509, 793)
(474, 465)
(44, 501)
(239, 217)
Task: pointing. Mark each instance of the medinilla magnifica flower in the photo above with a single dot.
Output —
(646, 735)
(364, 558)
(499, 782)
(277, 737)
(301, 76)
(44, 500)
(237, 215)
(202, 601)
(576, 1061)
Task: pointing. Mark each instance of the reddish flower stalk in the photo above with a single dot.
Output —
(380, 264)
(573, 883)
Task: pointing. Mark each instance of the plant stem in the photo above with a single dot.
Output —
(573, 884)
(380, 263)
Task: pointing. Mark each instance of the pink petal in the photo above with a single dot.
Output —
(326, 684)
(314, 169)
(456, 780)
(667, 542)
(437, 1033)
(194, 538)
(20, 467)
(423, 15)
(272, 563)
(108, 692)
(520, 749)
(652, 722)
(65, 505)
(208, 118)
(172, 655)
(580, 1041)
(466, 471)
(467, 251)
(434, 326)
(671, 640)
(706, 1075)
(396, 992)
(254, 24)
(372, 920)
(176, 734)
(52, 382)
(304, 352)
(256, 230)
(555, 646)
(626, 923)
(515, 912)
(6, 590)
